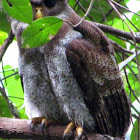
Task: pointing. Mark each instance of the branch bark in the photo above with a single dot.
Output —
(109, 29)
(117, 32)
(5, 45)
(20, 129)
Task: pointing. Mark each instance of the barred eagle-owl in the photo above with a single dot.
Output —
(74, 77)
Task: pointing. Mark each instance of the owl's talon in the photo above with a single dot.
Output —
(44, 124)
(39, 120)
(80, 132)
(69, 129)
(31, 126)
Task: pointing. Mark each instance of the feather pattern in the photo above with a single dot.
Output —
(75, 76)
(99, 78)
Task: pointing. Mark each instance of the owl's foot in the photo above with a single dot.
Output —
(70, 128)
(40, 121)
(80, 131)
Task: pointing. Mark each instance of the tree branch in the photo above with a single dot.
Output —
(117, 32)
(119, 48)
(5, 45)
(87, 12)
(109, 29)
(20, 129)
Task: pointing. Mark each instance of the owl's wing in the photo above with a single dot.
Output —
(98, 76)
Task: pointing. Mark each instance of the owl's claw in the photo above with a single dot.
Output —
(39, 120)
(69, 129)
(44, 124)
(80, 132)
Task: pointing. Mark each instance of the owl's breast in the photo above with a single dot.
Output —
(39, 98)
(65, 86)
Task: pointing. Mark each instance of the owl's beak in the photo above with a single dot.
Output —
(39, 12)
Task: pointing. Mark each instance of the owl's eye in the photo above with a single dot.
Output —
(50, 3)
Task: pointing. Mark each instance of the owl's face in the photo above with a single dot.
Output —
(42, 8)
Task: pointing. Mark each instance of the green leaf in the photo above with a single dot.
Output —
(4, 109)
(3, 36)
(15, 93)
(136, 20)
(22, 114)
(4, 24)
(72, 3)
(13, 86)
(40, 32)
(19, 9)
(99, 9)
(136, 131)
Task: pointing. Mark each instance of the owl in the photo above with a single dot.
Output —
(74, 79)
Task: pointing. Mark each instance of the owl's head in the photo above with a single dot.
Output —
(42, 8)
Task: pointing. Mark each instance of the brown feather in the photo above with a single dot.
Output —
(99, 78)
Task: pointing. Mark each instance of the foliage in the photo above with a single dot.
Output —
(101, 12)
(43, 28)
(3, 35)
(15, 8)
(136, 131)
(4, 109)
(4, 24)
